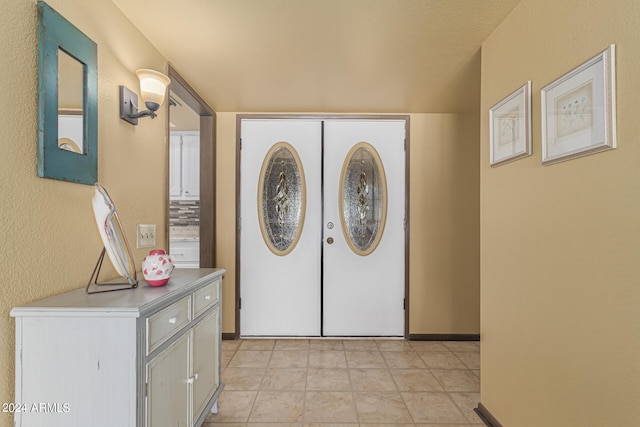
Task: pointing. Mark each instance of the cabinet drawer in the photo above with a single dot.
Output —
(162, 325)
(205, 297)
(185, 251)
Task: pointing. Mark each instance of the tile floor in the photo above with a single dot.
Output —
(323, 383)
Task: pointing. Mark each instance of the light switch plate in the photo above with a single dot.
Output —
(146, 237)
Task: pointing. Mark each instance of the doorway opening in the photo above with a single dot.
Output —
(191, 184)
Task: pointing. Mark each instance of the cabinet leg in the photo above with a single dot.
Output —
(214, 408)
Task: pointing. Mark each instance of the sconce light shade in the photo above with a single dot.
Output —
(153, 87)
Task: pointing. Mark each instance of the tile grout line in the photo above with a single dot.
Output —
(255, 399)
(264, 375)
(353, 394)
(398, 388)
(306, 385)
(253, 405)
(468, 369)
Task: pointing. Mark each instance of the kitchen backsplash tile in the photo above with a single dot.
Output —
(184, 213)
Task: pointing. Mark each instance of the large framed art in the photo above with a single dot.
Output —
(579, 110)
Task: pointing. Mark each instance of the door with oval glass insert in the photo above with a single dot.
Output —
(322, 200)
(280, 228)
(364, 213)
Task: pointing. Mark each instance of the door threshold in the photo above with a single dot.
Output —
(313, 337)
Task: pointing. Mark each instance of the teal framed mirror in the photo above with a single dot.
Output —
(67, 100)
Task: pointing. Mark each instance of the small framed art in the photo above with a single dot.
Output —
(579, 110)
(510, 127)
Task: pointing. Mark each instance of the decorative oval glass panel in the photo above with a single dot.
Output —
(363, 198)
(281, 198)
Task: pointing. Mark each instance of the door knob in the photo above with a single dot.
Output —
(330, 240)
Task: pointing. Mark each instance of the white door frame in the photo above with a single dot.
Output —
(240, 117)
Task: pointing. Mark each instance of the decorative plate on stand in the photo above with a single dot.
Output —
(115, 241)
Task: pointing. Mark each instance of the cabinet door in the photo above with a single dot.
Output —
(185, 254)
(191, 166)
(168, 386)
(206, 360)
(175, 166)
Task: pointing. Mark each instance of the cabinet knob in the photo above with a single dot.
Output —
(173, 320)
(207, 298)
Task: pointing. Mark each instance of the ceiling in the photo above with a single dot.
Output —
(325, 56)
(181, 116)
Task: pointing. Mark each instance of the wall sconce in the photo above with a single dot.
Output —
(153, 87)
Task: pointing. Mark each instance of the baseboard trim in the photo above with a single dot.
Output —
(486, 416)
(444, 337)
(229, 336)
(412, 337)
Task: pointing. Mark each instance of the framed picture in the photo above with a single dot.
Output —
(510, 127)
(579, 110)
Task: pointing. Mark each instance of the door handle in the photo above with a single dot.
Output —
(330, 240)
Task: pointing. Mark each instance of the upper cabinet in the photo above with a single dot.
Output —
(184, 166)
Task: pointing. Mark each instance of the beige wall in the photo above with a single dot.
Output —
(48, 237)
(444, 233)
(560, 245)
(226, 213)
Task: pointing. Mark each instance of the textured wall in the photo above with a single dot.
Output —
(560, 244)
(48, 237)
(226, 213)
(444, 234)
(445, 225)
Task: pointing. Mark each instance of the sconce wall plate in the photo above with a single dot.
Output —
(128, 105)
(153, 88)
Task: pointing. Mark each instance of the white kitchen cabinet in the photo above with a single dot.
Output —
(185, 253)
(184, 165)
(142, 357)
(175, 166)
(191, 166)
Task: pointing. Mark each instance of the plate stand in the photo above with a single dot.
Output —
(113, 286)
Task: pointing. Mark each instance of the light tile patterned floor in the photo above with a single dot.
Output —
(323, 383)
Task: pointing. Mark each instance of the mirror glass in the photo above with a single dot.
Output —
(70, 102)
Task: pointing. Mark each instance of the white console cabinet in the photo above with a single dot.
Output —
(142, 357)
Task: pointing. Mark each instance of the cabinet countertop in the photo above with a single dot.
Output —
(126, 303)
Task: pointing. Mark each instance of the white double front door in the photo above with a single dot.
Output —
(322, 229)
